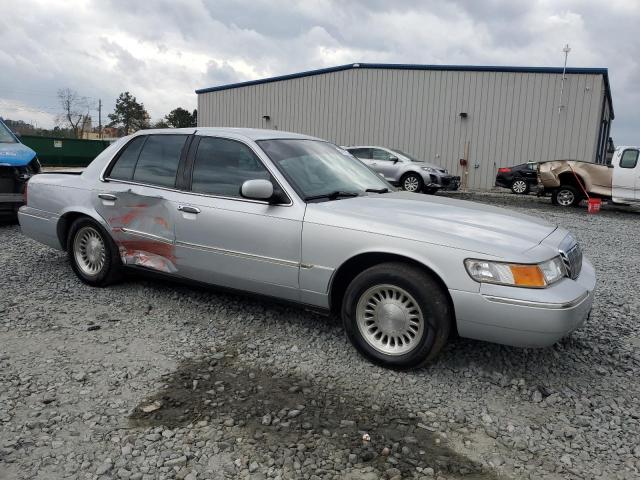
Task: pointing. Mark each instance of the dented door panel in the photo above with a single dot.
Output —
(142, 223)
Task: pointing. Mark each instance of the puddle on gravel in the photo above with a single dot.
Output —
(218, 389)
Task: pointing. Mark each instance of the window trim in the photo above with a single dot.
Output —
(629, 150)
(191, 160)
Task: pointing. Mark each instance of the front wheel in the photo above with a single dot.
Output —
(519, 186)
(565, 196)
(412, 182)
(396, 315)
(92, 253)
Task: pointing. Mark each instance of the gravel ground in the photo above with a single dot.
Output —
(151, 379)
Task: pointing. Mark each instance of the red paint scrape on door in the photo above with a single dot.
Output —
(148, 253)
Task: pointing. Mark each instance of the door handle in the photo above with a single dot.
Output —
(107, 196)
(188, 209)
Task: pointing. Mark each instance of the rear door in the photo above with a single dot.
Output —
(626, 175)
(227, 240)
(138, 200)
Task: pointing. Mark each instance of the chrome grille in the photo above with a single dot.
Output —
(572, 257)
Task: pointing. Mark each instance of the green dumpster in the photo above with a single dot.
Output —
(64, 152)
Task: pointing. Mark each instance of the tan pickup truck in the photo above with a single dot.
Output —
(568, 180)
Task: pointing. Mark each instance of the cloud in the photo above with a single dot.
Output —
(162, 50)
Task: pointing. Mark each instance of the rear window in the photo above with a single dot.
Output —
(159, 159)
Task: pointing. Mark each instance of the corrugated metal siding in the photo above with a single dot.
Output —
(512, 118)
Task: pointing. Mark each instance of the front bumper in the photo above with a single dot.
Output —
(526, 317)
(9, 204)
(441, 181)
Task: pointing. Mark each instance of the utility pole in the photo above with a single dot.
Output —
(100, 118)
(566, 51)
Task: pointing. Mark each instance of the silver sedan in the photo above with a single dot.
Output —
(405, 170)
(300, 219)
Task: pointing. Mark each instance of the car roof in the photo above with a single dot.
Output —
(368, 146)
(246, 133)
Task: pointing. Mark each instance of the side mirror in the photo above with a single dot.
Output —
(394, 159)
(258, 189)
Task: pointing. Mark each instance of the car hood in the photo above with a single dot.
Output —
(15, 155)
(439, 220)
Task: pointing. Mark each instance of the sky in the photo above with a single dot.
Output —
(163, 50)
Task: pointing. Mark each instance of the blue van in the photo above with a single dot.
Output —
(17, 164)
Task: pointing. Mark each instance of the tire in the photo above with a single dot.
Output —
(520, 186)
(566, 196)
(411, 182)
(97, 272)
(415, 293)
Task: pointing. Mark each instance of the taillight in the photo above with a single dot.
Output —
(504, 170)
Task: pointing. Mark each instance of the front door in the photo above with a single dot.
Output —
(382, 163)
(626, 175)
(137, 201)
(227, 240)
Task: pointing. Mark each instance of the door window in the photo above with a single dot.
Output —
(378, 154)
(222, 166)
(629, 159)
(364, 153)
(126, 162)
(159, 159)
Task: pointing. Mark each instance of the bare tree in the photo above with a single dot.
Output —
(75, 111)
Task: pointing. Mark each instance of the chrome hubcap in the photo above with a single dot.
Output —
(89, 251)
(411, 184)
(565, 197)
(390, 319)
(519, 186)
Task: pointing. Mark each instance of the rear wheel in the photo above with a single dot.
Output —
(92, 253)
(566, 196)
(411, 182)
(519, 186)
(396, 315)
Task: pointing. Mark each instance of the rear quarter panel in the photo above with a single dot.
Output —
(50, 197)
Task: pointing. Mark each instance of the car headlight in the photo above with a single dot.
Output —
(429, 169)
(516, 274)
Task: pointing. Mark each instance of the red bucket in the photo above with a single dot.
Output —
(593, 205)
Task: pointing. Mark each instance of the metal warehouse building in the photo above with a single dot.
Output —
(492, 116)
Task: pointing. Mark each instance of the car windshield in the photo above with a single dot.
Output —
(316, 168)
(413, 159)
(5, 134)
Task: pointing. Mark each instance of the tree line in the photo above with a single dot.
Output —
(129, 115)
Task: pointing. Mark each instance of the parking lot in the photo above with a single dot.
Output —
(151, 379)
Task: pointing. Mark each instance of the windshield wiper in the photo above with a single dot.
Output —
(377, 190)
(332, 195)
